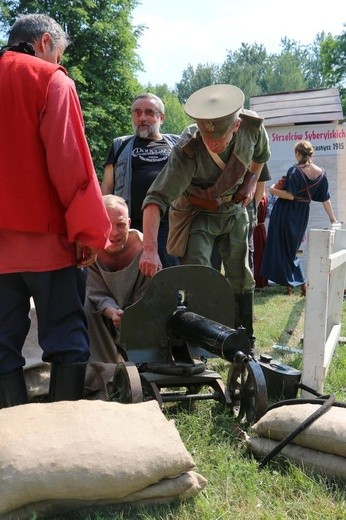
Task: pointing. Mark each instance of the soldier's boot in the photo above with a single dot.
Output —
(13, 389)
(67, 382)
(244, 305)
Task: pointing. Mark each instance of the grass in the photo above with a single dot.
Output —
(236, 488)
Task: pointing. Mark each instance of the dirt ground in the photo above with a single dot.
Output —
(31, 347)
(37, 373)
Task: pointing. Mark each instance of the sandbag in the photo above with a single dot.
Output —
(319, 462)
(90, 451)
(327, 433)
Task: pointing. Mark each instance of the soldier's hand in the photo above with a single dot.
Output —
(150, 263)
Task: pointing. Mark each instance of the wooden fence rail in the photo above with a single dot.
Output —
(326, 275)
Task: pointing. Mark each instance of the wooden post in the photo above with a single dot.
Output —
(325, 289)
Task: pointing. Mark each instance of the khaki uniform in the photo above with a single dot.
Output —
(193, 231)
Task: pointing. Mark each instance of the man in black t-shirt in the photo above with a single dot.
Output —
(133, 162)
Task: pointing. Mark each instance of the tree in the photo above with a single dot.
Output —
(193, 80)
(306, 58)
(176, 119)
(101, 60)
(333, 63)
(251, 68)
(283, 74)
(246, 68)
(333, 55)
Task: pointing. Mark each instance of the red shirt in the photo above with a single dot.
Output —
(71, 171)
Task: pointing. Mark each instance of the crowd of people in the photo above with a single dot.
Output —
(85, 252)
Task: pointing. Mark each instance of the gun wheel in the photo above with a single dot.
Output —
(248, 391)
(127, 387)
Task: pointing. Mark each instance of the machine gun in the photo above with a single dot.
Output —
(186, 316)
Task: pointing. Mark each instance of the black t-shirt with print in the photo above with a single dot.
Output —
(148, 159)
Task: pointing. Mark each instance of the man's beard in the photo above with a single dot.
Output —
(147, 132)
(143, 134)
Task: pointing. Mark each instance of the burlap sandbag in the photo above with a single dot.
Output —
(327, 433)
(179, 488)
(90, 451)
(319, 462)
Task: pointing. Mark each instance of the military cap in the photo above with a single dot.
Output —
(215, 108)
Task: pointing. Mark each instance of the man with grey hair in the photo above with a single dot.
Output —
(30, 29)
(133, 162)
(52, 217)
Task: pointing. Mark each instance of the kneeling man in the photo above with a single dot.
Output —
(114, 282)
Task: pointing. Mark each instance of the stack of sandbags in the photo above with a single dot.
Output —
(59, 457)
(320, 447)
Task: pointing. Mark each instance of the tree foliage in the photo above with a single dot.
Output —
(193, 80)
(102, 60)
(297, 67)
(333, 56)
(245, 68)
(284, 74)
(307, 58)
(333, 63)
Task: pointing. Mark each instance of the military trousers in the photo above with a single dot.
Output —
(229, 233)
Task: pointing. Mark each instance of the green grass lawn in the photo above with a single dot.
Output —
(236, 488)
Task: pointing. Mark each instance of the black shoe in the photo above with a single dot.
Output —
(67, 382)
(13, 389)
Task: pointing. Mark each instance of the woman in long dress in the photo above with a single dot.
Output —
(304, 182)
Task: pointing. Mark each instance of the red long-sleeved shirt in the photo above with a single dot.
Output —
(71, 171)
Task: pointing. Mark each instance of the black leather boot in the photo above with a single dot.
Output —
(66, 382)
(244, 304)
(13, 389)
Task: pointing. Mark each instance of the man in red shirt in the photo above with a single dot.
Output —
(52, 218)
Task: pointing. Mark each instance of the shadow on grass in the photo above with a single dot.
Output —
(275, 306)
(120, 512)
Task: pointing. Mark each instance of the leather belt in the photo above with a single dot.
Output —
(208, 204)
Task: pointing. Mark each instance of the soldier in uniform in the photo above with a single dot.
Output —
(210, 177)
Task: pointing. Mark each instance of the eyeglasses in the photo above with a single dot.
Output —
(149, 112)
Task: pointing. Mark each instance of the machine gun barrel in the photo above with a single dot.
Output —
(210, 335)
